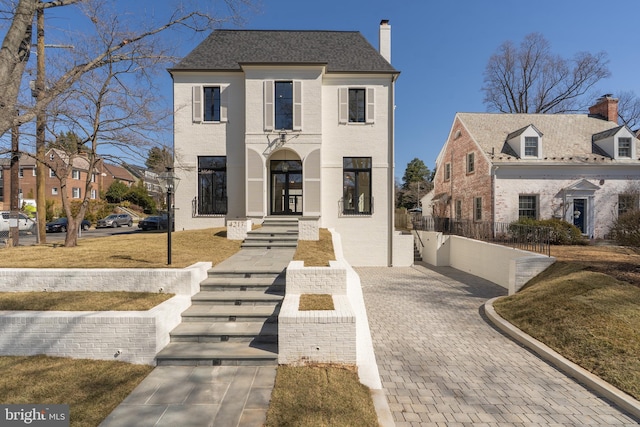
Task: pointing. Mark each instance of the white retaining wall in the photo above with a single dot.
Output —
(402, 250)
(171, 280)
(508, 267)
(130, 336)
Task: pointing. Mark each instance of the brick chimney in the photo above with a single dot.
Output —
(606, 108)
(385, 40)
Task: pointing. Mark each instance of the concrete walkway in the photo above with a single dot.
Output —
(442, 364)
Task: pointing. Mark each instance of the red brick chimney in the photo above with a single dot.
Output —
(606, 108)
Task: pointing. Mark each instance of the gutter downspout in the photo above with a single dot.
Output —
(391, 169)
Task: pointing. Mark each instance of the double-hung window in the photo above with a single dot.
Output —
(75, 193)
(477, 209)
(627, 203)
(528, 206)
(212, 185)
(356, 105)
(458, 210)
(447, 171)
(471, 162)
(75, 174)
(531, 146)
(624, 147)
(356, 190)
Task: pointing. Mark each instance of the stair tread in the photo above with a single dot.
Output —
(213, 296)
(226, 328)
(229, 310)
(224, 350)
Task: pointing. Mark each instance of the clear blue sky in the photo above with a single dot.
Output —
(442, 48)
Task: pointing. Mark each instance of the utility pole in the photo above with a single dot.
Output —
(41, 170)
(14, 231)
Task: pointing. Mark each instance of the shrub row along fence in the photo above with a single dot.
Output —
(526, 237)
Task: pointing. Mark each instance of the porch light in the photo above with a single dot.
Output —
(169, 182)
(283, 137)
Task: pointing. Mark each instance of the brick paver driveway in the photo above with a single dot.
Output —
(442, 364)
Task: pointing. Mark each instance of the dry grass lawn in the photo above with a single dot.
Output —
(91, 388)
(81, 301)
(316, 253)
(315, 302)
(320, 396)
(587, 308)
(137, 250)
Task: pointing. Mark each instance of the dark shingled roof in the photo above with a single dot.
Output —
(342, 51)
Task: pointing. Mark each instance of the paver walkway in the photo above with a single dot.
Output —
(442, 364)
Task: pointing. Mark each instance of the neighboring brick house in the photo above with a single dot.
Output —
(501, 167)
(293, 123)
(101, 177)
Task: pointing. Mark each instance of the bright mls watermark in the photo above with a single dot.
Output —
(34, 415)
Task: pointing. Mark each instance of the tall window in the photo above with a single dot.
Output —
(531, 146)
(458, 210)
(75, 193)
(528, 206)
(75, 174)
(357, 106)
(627, 203)
(94, 194)
(284, 105)
(471, 162)
(21, 173)
(212, 185)
(624, 147)
(356, 185)
(447, 171)
(477, 209)
(211, 103)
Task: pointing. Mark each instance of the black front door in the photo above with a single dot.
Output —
(286, 187)
(579, 212)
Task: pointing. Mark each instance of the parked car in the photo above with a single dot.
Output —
(60, 225)
(153, 223)
(115, 220)
(25, 224)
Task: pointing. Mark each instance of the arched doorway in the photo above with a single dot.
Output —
(285, 184)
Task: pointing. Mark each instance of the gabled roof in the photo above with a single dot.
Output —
(605, 134)
(521, 131)
(567, 137)
(119, 172)
(341, 51)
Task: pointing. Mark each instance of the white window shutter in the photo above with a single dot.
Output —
(297, 105)
(224, 102)
(197, 103)
(268, 105)
(343, 105)
(371, 105)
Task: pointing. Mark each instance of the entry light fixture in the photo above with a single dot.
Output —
(283, 137)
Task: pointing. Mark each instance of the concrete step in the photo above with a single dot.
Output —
(285, 237)
(231, 313)
(248, 273)
(269, 244)
(226, 332)
(244, 298)
(222, 353)
(231, 284)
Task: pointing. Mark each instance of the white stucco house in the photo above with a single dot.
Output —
(584, 168)
(294, 123)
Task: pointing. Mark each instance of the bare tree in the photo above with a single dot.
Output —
(530, 79)
(96, 90)
(629, 109)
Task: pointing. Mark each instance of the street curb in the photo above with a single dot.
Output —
(591, 381)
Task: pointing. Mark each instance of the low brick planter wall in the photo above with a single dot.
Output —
(129, 336)
(319, 336)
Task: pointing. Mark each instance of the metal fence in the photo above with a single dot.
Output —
(526, 237)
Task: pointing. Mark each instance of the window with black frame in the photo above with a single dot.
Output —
(212, 104)
(357, 106)
(212, 185)
(284, 105)
(356, 199)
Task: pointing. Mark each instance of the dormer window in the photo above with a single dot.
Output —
(531, 146)
(624, 147)
(525, 143)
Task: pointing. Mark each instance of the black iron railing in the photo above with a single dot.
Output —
(213, 208)
(526, 237)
